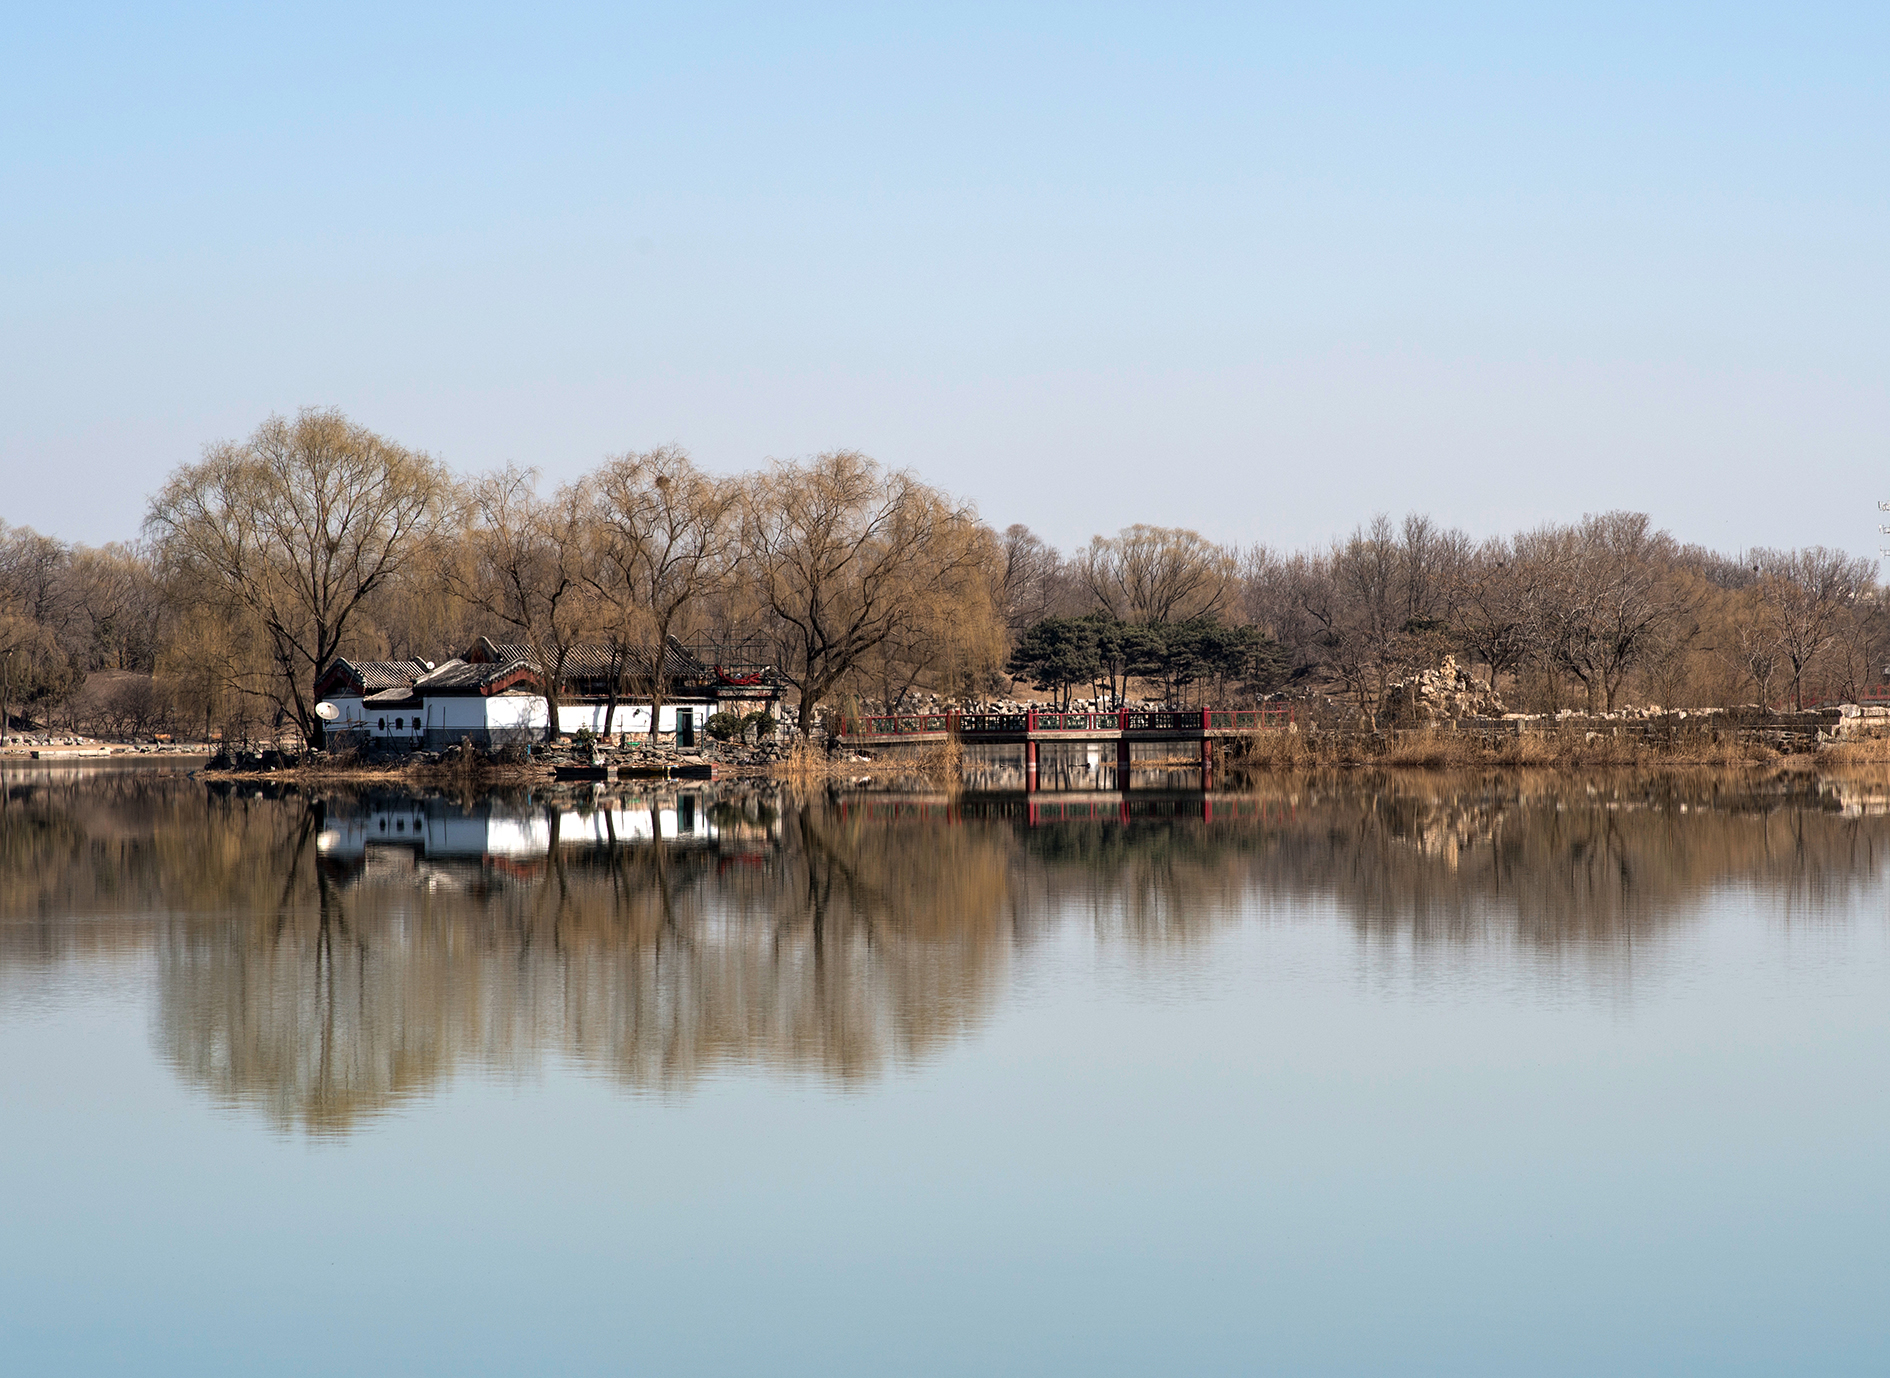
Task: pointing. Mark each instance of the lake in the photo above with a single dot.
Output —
(1368, 1074)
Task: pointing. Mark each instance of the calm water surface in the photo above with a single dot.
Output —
(1375, 1075)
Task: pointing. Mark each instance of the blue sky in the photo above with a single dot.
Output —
(1259, 271)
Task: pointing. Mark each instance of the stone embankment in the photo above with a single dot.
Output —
(57, 745)
(1448, 701)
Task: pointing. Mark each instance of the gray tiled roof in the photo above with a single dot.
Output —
(458, 674)
(375, 675)
(589, 658)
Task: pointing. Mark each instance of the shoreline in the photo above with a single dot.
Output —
(1235, 769)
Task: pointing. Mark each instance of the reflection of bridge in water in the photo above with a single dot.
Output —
(1070, 806)
(1197, 729)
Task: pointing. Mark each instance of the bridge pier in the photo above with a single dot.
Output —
(1122, 763)
(1207, 762)
(1030, 767)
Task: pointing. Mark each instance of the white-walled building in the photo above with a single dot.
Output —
(363, 692)
(494, 695)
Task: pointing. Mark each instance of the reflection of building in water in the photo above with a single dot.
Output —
(501, 830)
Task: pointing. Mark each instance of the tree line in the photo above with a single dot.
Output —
(315, 538)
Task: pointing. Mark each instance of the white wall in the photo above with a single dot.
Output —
(352, 716)
(628, 718)
(516, 710)
(356, 716)
(469, 712)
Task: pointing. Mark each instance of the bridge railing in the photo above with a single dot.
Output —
(1076, 722)
(1127, 720)
(1147, 720)
(992, 722)
(896, 724)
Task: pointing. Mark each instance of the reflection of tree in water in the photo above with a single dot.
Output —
(829, 951)
(1556, 864)
(1544, 861)
(116, 844)
(815, 936)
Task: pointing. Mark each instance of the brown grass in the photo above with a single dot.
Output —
(939, 763)
(1431, 749)
(1872, 752)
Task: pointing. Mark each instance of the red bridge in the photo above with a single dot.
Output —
(1129, 725)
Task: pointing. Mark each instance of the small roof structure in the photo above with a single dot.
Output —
(591, 659)
(467, 677)
(370, 676)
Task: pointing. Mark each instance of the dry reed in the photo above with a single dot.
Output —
(939, 763)
(1432, 749)
(1873, 751)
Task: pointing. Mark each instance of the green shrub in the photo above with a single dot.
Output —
(725, 726)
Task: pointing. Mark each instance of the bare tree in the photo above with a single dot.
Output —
(33, 582)
(666, 536)
(299, 524)
(1750, 644)
(1035, 583)
(522, 564)
(117, 606)
(1158, 574)
(1618, 599)
(1499, 603)
(844, 554)
(1803, 597)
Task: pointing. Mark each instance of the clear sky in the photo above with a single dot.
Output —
(1257, 270)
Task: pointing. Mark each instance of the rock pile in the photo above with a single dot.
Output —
(1443, 694)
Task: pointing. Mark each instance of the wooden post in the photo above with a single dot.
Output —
(1030, 767)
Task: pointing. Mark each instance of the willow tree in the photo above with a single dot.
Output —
(845, 555)
(665, 536)
(521, 561)
(298, 526)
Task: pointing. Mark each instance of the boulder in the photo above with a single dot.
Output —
(1442, 694)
